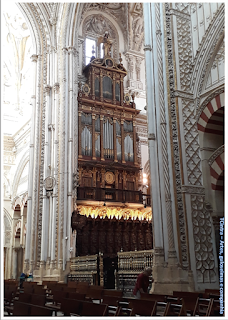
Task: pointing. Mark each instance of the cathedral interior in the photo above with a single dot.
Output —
(113, 142)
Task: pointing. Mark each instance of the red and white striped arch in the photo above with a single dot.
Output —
(215, 125)
(217, 170)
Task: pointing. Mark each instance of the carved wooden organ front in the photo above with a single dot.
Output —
(108, 163)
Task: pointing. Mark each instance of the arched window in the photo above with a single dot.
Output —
(90, 46)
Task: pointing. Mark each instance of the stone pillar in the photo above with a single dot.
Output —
(22, 226)
(152, 146)
(34, 59)
(54, 170)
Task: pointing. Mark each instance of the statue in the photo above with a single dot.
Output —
(107, 44)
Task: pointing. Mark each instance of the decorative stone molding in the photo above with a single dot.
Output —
(175, 143)
(202, 232)
(34, 58)
(48, 89)
(151, 136)
(147, 47)
(193, 190)
(179, 14)
(217, 153)
(183, 94)
(49, 183)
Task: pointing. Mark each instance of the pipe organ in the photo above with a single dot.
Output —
(108, 163)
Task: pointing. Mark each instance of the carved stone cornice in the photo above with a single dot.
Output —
(185, 95)
(193, 190)
(214, 155)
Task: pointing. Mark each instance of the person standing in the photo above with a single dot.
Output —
(142, 283)
(23, 276)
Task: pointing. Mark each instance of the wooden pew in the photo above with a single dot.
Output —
(69, 306)
(76, 296)
(93, 309)
(40, 311)
(203, 307)
(153, 297)
(38, 299)
(94, 293)
(72, 284)
(113, 293)
(110, 300)
(142, 307)
(174, 309)
(21, 309)
(189, 299)
(160, 308)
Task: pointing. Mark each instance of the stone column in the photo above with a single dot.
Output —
(55, 170)
(152, 140)
(45, 214)
(34, 59)
(22, 226)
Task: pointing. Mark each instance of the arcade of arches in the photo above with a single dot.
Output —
(113, 132)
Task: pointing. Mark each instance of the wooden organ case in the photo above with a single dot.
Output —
(109, 168)
(108, 164)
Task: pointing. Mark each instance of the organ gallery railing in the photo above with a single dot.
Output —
(109, 194)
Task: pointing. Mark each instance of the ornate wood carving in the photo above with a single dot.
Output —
(109, 236)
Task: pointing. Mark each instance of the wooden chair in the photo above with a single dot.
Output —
(142, 307)
(175, 310)
(203, 307)
(160, 308)
(69, 306)
(93, 309)
(40, 311)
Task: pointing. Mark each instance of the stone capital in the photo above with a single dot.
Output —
(34, 58)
